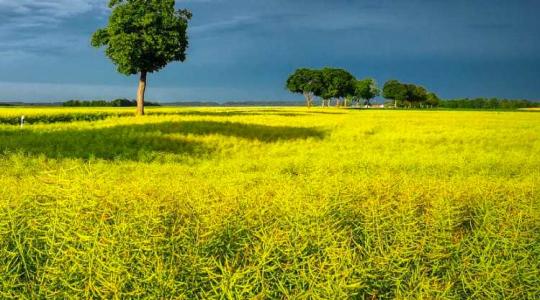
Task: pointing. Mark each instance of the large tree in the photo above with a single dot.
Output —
(432, 100)
(415, 94)
(366, 89)
(142, 37)
(307, 82)
(337, 84)
(394, 90)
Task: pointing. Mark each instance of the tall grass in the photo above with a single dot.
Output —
(272, 203)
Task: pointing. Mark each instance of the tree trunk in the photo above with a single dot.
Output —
(309, 99)
(140, 94)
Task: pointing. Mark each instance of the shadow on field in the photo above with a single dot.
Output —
(115, 143)
(307, 112)
(141, 142)
(257, 112)
(225, 113)
(257, 132)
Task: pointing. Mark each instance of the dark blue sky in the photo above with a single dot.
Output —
(244, 50)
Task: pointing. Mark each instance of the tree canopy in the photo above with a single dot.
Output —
(366, 89)
(415, 94)
(333, 83)
(394, 90)
(410, 94)
(306, 81)
(432, 100)
(338, 83)
(143, 36)
(328, 83)
(486, 103)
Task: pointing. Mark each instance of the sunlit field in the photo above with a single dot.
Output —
(269, 203)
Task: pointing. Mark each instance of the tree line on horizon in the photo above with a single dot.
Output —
(103, 103)
(487, 103)
(341, 86)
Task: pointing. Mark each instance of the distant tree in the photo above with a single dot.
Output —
(70, 103)
(394, 90)
(493, 103)
(307, 82)
(143, 36)
(103, 103)
(337, 84)
(485, 103)
(121, 103)
(504, 104)
(366, 89)
(348, 99)
(97, 103)
(321, 93)
(432, 100)
(421, 95)
(415, 94)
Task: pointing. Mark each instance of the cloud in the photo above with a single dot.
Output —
(286, 21)
(225, 25)
(33, 13)
(34, 27)
(46, 44)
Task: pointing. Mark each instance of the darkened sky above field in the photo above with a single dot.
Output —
(244, 50)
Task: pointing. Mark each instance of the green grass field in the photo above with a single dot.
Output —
(269, 203)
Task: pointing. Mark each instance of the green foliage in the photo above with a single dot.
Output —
(394, 90)
(412, 95)
(306, 81)
(328, 83)
(337, 83)
(366, 89)
(257, 203)
(488, 103)
(103, 103)
(144, 35)
(415, 94)
(433, 100)
(407, 94)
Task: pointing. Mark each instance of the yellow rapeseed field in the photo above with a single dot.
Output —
(269, 203)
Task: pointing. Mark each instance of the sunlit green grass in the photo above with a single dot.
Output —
(270, 203)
